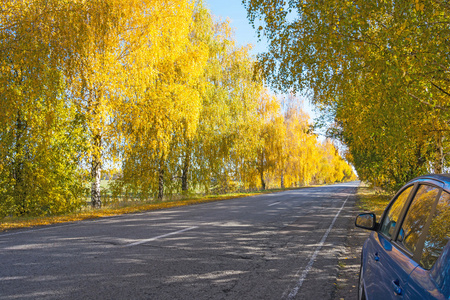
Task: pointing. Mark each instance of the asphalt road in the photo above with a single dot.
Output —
(274, 246)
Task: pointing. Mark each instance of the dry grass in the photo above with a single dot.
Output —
(372, 199)
(113, 210)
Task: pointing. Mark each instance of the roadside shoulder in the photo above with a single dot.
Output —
(349, 259)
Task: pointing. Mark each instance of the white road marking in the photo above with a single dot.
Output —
(275, 203)
(160, 237)
(60, 225)
(308, 268)
(35, 229)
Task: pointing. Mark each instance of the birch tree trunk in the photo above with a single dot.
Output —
(161, 181)
(184, 176)
(261, 171)
(185, 171)
(96, 173)
(282, 181)
(19, 190)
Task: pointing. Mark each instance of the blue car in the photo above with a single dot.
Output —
(407, 256)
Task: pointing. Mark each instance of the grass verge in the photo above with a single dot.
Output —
(372, 199)
(119, 209)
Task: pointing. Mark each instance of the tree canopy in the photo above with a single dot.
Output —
(379, 67)
(153, 95)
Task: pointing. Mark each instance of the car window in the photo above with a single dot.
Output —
(437, 235)
(391, 218)
(417, 216)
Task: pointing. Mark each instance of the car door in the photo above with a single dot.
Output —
(430, 280)
(387, 269)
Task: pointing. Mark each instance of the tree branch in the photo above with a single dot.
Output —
(427, 103)
(440, 89)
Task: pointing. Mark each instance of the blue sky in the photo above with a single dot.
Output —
(245, 34)
(234, 10)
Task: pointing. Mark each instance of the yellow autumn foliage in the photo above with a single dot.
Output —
(153, 95)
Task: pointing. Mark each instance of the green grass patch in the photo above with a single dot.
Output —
(123, 207)
(373, 199)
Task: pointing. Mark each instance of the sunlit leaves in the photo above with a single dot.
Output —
(41, 134)
(381, 67)
(154, 91)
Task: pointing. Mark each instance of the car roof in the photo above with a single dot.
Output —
(444, 178)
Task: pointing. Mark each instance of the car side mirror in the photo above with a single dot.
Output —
(366, 221)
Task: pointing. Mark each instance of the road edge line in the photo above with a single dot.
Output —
(308, 268)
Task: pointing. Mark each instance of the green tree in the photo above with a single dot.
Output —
(367, 61)
(224, 147)
(41, 134)
(164, 101)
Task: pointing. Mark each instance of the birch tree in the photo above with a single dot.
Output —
(164, 99)
(384, 58)
(41, 134)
